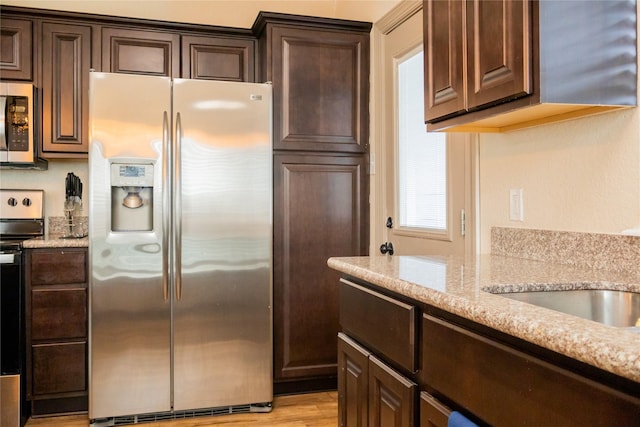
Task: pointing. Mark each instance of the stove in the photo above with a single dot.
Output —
(21, 218)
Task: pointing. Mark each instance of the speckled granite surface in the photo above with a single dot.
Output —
(56, 241)
(58, 234)
(457, 286)
(606, 251)
(60, 225)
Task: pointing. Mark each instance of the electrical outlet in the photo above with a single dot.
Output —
(516, 205)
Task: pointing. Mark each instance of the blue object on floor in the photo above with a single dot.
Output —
(456, 419)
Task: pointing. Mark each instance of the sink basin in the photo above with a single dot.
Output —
(611, 307)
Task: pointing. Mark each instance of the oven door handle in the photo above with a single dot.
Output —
(8, 258)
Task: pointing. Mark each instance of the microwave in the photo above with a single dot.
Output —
(17, 126)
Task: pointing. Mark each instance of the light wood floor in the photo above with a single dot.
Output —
(302, 410)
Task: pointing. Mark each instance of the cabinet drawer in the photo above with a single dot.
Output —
(58, 314)
(59, 368)
(504, 386)
(383, 324)
(57, 267)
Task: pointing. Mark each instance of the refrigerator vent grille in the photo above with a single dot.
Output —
(162, 416)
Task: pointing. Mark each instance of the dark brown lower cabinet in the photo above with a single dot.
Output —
(320, 211)
(432, 412)
(391, 396)
(489, 377)
(59, 368)
(56, 330)
(371, 393)
(505, 386)
(353, 383)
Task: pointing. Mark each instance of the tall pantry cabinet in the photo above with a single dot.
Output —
(320, 73)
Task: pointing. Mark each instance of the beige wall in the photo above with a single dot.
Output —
(581, 175)
(229, 13)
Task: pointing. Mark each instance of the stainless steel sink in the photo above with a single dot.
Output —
(611, 307)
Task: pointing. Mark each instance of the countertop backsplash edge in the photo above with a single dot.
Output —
(590, 250)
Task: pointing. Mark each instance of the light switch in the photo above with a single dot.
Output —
(516, 205)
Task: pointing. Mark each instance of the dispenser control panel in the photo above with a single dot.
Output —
(131, 175)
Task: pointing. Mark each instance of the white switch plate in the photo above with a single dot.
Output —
(516, 205)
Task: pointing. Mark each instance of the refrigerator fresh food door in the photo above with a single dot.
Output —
(223, 222)
(130, 305)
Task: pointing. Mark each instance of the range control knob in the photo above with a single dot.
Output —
(26, 201)
(12, 201)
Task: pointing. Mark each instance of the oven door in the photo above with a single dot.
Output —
(11, 340)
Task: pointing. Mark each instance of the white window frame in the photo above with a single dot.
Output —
(424, 233)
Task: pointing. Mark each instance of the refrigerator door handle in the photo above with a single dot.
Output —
(166, 224)
(177, 216)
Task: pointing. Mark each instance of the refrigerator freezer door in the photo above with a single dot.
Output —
(130, 314)
(222, 319)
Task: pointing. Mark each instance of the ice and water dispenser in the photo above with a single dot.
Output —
(131, 197)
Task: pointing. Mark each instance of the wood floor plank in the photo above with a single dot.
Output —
(301, 410)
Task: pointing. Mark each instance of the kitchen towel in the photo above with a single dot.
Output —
(456, 419)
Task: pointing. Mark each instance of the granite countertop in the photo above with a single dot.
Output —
(56, 241)
(458, 286)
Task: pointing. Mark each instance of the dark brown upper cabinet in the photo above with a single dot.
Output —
(16, 49)
(155, 53)
(320, 76)
(498, 57)
(218, 58)
(493, 66)
(66, 61)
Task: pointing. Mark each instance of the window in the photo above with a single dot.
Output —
(422, 155)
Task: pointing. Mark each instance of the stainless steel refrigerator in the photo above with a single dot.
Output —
(180, 208)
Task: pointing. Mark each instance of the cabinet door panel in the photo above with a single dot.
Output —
(216, 58)
(16, 49)
(432, 412)
(499, 50)
(353, 383)
(320, 211)
(66, 60)
(58, 313)
(391, 397)
(59, 368)
(443, 59)
(140, 52)
(321, 90)
(52, 267)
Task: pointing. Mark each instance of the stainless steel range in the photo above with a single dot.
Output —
(21, 218)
